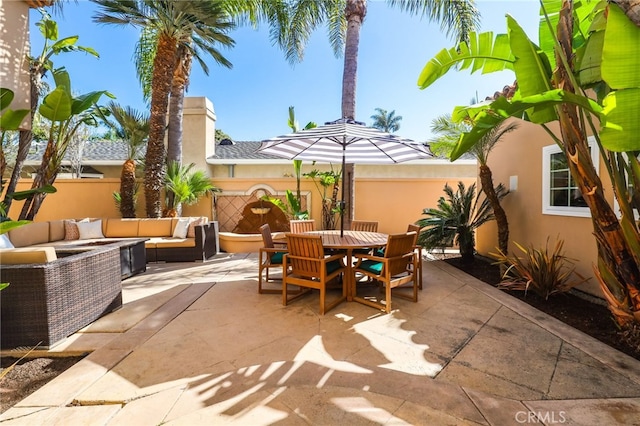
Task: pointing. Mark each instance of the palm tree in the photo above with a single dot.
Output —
(448, 133)
(387, 122)
(456, 219)
(190, 48)
(174, 23)
(186, 186)
(344, 19)
(133, 127)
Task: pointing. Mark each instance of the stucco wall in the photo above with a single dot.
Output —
(14, 48)
(520, 154)
(78, 198)
(394, 203)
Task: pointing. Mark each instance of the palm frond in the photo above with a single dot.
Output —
(458, 18)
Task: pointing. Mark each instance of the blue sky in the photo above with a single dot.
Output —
(251, 100)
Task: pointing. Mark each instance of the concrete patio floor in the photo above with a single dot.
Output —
(196, 344)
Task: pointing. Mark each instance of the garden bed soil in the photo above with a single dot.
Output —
(27, 376)
(581, 311)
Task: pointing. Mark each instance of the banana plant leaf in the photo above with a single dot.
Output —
(8, 225)
(484, 52)
(56, 106)
(499, 110)
(23, 195)
(10, 119)
(620, 70)
(533, 71)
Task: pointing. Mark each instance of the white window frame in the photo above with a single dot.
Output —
(547, 208)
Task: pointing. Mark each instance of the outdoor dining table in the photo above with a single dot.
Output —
(350, 241)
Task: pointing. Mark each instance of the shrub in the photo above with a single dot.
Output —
(543, 272)
(456, 218)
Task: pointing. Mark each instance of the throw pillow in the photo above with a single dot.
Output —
(191, 232)
(181, 228)
(90, 230)
(5, 242)
(71, 229)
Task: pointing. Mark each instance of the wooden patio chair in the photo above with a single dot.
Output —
(269, 256)
(305, 265)
(395, 268)
(364, 225)
(301, 226)
(415, 228)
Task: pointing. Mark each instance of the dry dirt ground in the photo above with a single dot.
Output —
(27, 376)
(591, 318)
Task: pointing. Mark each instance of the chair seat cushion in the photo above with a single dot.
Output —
(277, 257)
(333, 266)
(371, 266)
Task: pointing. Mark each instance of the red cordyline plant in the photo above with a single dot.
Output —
(539, 270)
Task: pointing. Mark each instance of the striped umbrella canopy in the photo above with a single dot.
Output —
(345, 141)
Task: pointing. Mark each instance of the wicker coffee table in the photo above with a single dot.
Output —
(133, 257)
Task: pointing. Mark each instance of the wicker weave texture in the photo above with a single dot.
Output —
(45, 303)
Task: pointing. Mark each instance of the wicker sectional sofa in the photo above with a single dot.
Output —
(161, 246)
(57, 285)
(49, 300)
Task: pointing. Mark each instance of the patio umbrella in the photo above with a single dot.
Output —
(344, 141)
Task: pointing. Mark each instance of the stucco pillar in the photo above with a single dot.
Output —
(199, 128)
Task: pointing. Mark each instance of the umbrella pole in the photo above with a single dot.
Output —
(342, 203)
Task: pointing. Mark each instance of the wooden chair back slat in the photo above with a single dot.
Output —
(398, 269)
(267, 239)
(265, 262)
(415, 228)
(363, 225)
(303, 248)
(306, 265)
(301, 226)
(398, 246)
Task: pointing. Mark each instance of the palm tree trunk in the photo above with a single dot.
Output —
(164, 64)
(176, 105)
(466, 242)
(617, 268)
(127, 189)
(25, 138)
(355, 11)
(486, 181)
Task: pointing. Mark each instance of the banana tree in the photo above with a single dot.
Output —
(66, 113)
(297, 164)
(580, 49)
(10, 120)
(39, 65)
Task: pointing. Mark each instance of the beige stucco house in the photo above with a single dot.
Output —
(544, 203)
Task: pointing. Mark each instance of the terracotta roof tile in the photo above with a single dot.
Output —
(507, 91)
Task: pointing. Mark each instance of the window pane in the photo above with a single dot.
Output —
(559, 179)
(559, 161)
(576, 199)
(559, 197)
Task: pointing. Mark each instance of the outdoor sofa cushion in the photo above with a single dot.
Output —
(30, 234)
(22, 256)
